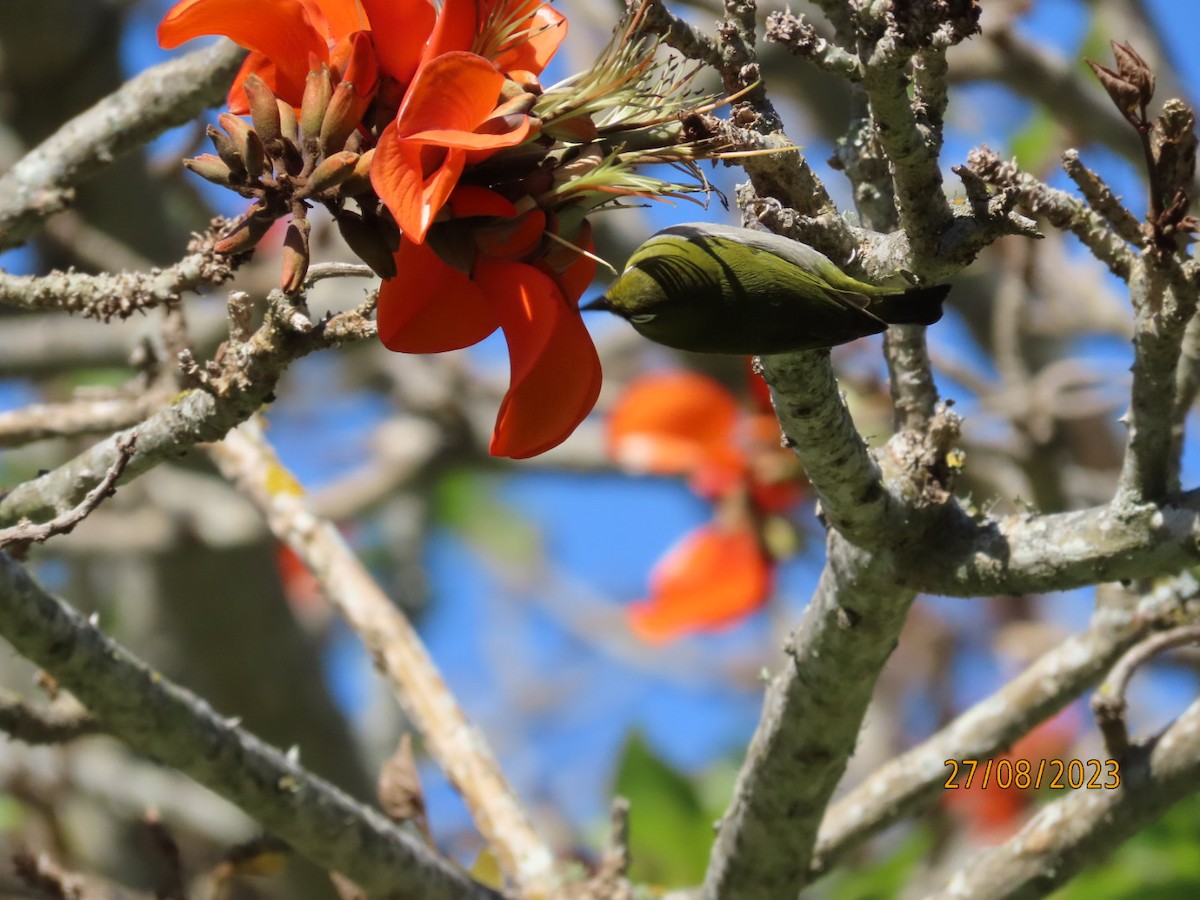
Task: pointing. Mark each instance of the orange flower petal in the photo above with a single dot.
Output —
(545, 29)
(353, 58)
(709, 580)
(474, 200)
(512, 240)
(456, 26)
(278, 29)
(342, 17)
(400, 29)
(430, 307)
(555, 371)
(412, 182)
(450, 97)
(673, 423)
(284, 88)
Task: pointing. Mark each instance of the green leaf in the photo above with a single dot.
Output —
(670, 831)
(466, 502)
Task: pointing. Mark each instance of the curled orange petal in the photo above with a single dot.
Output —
(555, 371)
(431, 307)
(674, 423)
(400, 29)
(414, 180)
(709, 580)
(280, 30)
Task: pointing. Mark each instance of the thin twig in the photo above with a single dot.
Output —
(20, 536)
(1108, 703)
(247, 460)
(1088, 824)
(913, 780)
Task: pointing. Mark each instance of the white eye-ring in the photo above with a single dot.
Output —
(643, 318)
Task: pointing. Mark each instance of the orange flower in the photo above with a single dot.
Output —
(433, 306)
(453, 113)
(288, 37)
(679, 423)
(686, 424)
(447, 112)
(711, 579)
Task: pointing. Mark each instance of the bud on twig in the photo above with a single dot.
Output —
(318, 91)
(264, 109)
(295, 255)
(332, 172)
(211, 168)
(345, 111)
(246, 231)
(227, 150)
(248, 144)
(1131, 86)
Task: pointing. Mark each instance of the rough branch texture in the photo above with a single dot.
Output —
(146, 106)
(138, 705)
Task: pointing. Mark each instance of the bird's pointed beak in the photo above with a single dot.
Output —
(602, 303)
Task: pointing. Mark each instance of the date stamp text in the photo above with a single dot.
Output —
(1054, 774)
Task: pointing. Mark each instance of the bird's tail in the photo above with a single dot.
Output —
(916, 306)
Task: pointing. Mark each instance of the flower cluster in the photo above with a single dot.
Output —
(471, 183)
(686, 424)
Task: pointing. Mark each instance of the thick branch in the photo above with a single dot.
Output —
(144, 107)
(811, 718)
(161, 719)
(816, 422)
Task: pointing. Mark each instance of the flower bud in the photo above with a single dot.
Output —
(246, 231)
(342, 117)
(264, 108)
(227, 150)
(359, 181)
(318, 90)
(295, 256)
(248, 144)
(210, 168)
(288, 128)
(332, 171)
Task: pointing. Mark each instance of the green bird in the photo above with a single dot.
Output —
(718, 289)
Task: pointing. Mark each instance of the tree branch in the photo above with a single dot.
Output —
(1087, 825)
(248, 461)
(167, 95)
(163, 720)
(913, 780)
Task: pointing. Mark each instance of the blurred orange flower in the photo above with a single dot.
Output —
(686, 424)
